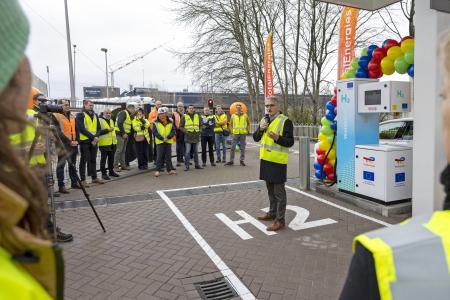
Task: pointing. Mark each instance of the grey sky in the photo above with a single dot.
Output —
(124, 27)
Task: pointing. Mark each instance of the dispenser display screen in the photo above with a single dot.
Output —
(372, 97)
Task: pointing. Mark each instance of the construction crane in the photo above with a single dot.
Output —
(119, 65)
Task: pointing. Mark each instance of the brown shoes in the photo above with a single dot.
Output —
(63, 190)
(84, 184)
(98, 180)
(266, 217)
(157, 174)
(275, 226)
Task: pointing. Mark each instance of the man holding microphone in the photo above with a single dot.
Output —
(275, 132)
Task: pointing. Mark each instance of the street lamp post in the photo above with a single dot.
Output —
(72, 85)
(74, 65)
(48, 82)
(106, 70)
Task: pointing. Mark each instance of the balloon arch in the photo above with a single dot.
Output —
(374, 62)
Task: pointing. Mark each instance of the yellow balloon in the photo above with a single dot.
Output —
(322, 137)
(332, 154)
(332, 162)
(394, 52)
(324, 145)
(387, 66)
(407, 45)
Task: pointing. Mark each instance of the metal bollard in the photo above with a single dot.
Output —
(304, 165)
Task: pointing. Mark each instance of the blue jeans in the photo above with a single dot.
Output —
(221, 141)
(187, 154)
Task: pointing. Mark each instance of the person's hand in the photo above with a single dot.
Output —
(165, 140)
(73, 143)
(273, 135)
(125, 136)
(263, 124)
(39, 148)
(111, 129)
(94, 141)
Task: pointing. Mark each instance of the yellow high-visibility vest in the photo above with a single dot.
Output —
(90, 124)
(16, 282)
(239, 124)
(271, 151)
(108, 138)
(137, 127)
(412, 259)
(164, 131)
(191, 125)
(26, 138)
(127, 123)
(220, 118)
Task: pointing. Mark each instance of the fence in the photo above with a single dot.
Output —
(311, 131)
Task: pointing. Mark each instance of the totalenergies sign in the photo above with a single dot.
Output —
(347, 33)
(268, 67)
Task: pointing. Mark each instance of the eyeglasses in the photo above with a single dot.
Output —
(269, 105)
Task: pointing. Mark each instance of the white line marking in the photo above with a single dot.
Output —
(209, 186)
(340, 207)
(240, 288)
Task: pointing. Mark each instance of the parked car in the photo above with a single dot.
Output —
(397, 132)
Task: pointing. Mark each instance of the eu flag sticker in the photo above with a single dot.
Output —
(400, 177)
(369, 176)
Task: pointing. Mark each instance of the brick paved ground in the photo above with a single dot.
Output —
(147, 253)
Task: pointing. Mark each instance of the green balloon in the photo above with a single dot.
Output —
(330, 139)
(409, 56)
(351, 74)
(326, 130)
(364, 52)
(325, 122)
(355, 64)
(401, 66)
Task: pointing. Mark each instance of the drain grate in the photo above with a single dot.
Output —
(216, 289)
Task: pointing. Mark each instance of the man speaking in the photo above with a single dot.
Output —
(275, 132)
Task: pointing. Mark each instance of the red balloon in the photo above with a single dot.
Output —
(374, 66)
(375, 74)
(331, 177)
(321, 159)
(389, 43)
(379, 54)
(408, 37)
(320, 151)
(328, 169)
(334, 100)
(335, 90)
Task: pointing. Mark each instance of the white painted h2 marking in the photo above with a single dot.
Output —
(298, 223)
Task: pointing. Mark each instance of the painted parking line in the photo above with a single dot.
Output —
(339, 207)
(240, 288)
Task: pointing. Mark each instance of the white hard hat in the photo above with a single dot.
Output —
(163, 110)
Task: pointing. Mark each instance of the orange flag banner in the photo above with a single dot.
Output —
(268, 67)
(347, 33)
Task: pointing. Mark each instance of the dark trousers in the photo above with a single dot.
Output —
(89, 157)
(164, 157)
(71, 160)
(151, 154)
(278, 200)
(207, 140)
(141, 153)
(180, 146)
(107, 155)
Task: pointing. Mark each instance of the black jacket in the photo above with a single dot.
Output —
(270, 171)
(79, 124)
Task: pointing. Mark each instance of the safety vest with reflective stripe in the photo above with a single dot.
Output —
(16, 282)
(26, 137)
(67, 126)
(90, 124)
(137, 127)
(126, 123)
(191, 125)
(164, 131)
(239, 124)
(177, 119)
(220, 118)
(271, 151)
(412, 259)
(108, 138)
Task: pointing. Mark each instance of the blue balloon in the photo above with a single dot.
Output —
(330, 106)
(363, 62)
(320, 174)
(361, 73)
(318, 166)
(330, 115)
(370, 50)
(333, 125)
(411, 70)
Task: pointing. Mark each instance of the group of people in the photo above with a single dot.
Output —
(153, 136)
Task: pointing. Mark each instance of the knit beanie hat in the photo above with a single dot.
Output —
(14, 31)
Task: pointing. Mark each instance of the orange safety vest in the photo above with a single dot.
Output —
(177, 119)
(153, 115)
(67, 126)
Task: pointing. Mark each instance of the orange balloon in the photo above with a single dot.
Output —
(233, 107)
